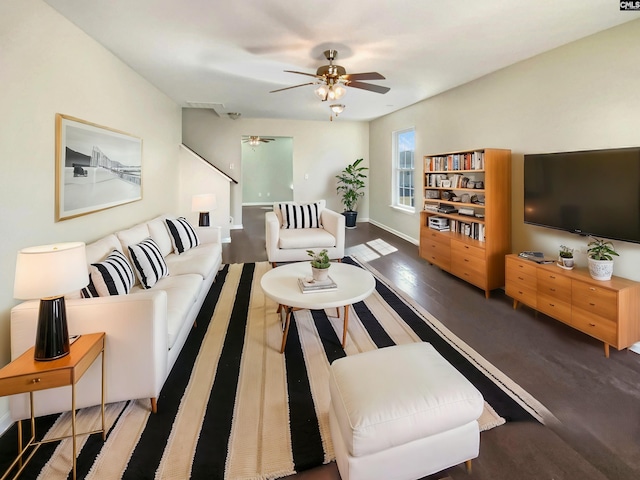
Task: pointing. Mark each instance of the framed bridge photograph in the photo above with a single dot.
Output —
(96, 167)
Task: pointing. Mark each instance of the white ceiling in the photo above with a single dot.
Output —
(233, 52)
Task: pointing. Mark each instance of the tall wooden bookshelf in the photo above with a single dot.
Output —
(478, 184)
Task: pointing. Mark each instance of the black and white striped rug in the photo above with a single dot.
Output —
(233, 407)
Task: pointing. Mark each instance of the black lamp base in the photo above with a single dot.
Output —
(203, 221)
(52, 335)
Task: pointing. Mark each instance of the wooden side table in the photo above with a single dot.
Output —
(25, 374)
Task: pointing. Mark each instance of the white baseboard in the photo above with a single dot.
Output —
(635, 348)
(236, 227)
(395, 232)
(226, 240)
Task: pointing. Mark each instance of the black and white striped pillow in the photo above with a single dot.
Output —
(300, 216)
(148, 262)
(183, 236)
(113, 276)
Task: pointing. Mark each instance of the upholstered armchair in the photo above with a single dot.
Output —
(292, 229)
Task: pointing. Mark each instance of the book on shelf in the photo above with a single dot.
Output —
(309, 285)
(456, 161)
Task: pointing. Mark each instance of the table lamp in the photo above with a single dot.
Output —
(203, 204)
(48, 272)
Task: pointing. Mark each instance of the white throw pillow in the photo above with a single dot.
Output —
(148, 262)
(183, 236)
(300, 216)
(113, 276)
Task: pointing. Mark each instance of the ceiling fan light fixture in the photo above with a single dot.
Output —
(322, 92)
(337, 91)
(254, 141)
(337, 108)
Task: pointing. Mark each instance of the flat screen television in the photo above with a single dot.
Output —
(595, 192)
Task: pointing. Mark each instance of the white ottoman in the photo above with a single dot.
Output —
(401, 412)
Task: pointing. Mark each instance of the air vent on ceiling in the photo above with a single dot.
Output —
(212, 105)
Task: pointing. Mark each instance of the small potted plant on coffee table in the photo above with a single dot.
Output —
(319, 264)
(600, 254)
(565, 259)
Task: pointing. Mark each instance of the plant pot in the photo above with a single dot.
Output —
(567, 262)
(600, 269)
(350, 218)
(319, 274)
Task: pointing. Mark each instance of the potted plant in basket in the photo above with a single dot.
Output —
(600, 254)
(319, 265)
(565, 257)
(350, 185)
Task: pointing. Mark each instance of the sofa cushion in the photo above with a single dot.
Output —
(300, 216)
(182, 292)
(101, 249)
(113, 276)
(307, 238)
(148, 261)
(201, 260)
(183, 236)
(133, 235)
(158, 231)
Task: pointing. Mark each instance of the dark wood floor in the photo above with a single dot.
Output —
(596, 400)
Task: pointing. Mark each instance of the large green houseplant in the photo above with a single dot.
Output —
(350, 187)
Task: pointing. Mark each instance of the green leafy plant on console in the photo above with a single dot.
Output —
(599, 249)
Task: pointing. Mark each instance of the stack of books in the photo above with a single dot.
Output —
(309, 285)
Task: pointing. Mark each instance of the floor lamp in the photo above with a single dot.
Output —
(48, 272)
(203, 203)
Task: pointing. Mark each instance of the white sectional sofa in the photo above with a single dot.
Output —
(145, 329)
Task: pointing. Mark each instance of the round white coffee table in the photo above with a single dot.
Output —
(281, 284)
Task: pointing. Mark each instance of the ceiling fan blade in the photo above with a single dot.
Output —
(363, 76)
(369, 86)
(295, 86)
(307, 74)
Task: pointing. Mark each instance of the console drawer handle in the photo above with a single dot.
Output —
(35, 380)
(552, 289)
(593, 289)
(552, 277)
(520, 278)
(592, 304)
(592, 324)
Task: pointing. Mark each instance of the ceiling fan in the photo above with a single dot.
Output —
(333, 78)
(255, 140)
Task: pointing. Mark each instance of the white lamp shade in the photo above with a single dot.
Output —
(205, 202)
(50, 270)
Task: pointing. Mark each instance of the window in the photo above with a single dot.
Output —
(403, 169)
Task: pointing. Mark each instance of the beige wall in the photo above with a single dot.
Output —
(198, 177)
(582, 96)
(320, 150)
(49, 66)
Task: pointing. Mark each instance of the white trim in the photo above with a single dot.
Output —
(395, 168)
(395, 232)
(405, 210)
(236, 227)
